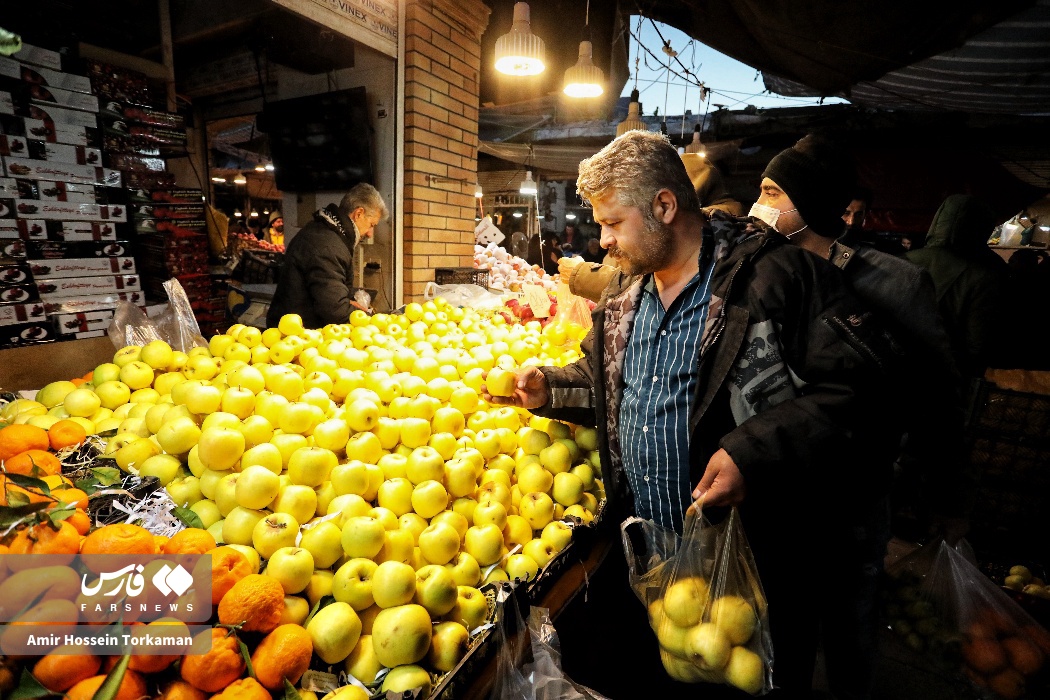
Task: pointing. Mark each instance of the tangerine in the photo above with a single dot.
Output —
(81, 521)
(228, 566)
(44, 538)
(120, 538)
(74, 497)
(244, 689)
(153, 663)
(65, 433)
(283, 653)
(132, 687)
(181, 690)
(256, 602)
(17, 438)
(32, 495)
(61, 671)
(221, 666)
(192, 540)
(33, 463)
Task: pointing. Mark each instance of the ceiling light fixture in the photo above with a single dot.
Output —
(584, 79)
(633, 120)
(240, 179)
(266, 211)
(218, 180)
(260, 168)
(517, 215)
(268, 167)
(696, 145)
(519, 51)
(254, 213)
(570, 216)
(237, 213)
(528, 185)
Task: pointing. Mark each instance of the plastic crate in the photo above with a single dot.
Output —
(259, 267)
(461, 275)
(1014, 414)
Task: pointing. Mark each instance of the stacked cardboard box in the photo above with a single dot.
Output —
(65, 256)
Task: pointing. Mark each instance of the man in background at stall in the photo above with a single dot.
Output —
(316, 279)
(724, 360)
(275, 231)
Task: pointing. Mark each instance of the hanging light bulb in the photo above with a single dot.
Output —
(633, 120)
(477, 191)
(696, 145)
(260, 168)
(268, 167)
(519, 51)
(237, 213)
(240, 179)
(254, 214)
(218, 180)
(570, 216)
(584, 79)
(528, 185)
(266, 211)
(517, 215)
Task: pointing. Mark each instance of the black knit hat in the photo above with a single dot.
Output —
(819, 180)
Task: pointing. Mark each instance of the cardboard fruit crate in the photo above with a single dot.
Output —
(461, 275)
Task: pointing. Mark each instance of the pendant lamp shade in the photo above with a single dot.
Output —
(584, 79)
(528, 185)
(519, 51)
(633, 120)
(696, 146)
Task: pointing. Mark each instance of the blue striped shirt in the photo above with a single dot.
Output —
(660, 377)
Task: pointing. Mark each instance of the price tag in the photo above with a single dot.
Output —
(537, 299)
(319, 681)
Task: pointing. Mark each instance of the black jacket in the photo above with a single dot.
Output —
(317, 272)
(791, 372)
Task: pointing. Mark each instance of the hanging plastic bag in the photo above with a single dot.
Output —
(705, 601)
(992, 640)
(571, 309)
(468, 295)
(176, 325)
(529, 662)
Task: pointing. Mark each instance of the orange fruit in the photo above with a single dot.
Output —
(181, 690)
(255, 600)
(1023, 655)
(33, 463)
(159, 541)
(60, 672)
(228, 566)
(43, 539)
(80, 521)
(213, 671)
(5, 488)
(65, 433)
(15, 439)
(121, 538)
(132, 687)
(1009, 684)
(283, 653)
(78, 381)
(244, 689)
(153, 663)
(192, 540)
(74, 497)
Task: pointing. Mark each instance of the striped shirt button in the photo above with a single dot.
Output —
(655, 378)
(663, 332)
(646, 477)
(645, 429)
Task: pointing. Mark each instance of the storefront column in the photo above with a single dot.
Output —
(442, 84)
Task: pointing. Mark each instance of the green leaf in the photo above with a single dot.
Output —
(290, 693)
(60, 514)
(29, 687)
(246, 655)
(188, 517)
(28, 482)
(325, 600)
(13, 513)
(110, 686)
(107, 476)
(17, 499)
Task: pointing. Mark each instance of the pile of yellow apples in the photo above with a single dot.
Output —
(358, 462)
(705, 638)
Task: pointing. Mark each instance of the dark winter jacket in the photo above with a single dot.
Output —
(970, 280)
(789, 370)
(317, 272)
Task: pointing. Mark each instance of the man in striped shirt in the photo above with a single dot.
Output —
(721, 356)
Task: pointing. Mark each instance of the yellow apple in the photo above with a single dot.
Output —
(293, 567)
(707, 647)
(464, 569)
(734, 617)
(401, 634)
(424, 464)
(324, 542)
(220, 448)
(207, 511)
(405, 678)
(521, 567)
(362, 663)
(362, 536)
(537, 508)
(352, 583)
(471, 609)
(557, 534)
(745, 670)
(500, 382)
(439, 543)
(685, 600)
(539, 550)
(484, 543)
(273, 532)
(334, 630)
(81, 402)
(311, 466)
(164, 467)
(239, 525)
(393, 583)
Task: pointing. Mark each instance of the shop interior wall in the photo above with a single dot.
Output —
(377, 73)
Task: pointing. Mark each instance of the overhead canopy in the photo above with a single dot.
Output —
(828, 45)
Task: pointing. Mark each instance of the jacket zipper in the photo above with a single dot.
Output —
(857, 343)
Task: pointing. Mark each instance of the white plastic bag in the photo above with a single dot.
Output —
(176, 325)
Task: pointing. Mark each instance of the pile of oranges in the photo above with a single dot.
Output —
(246, 601)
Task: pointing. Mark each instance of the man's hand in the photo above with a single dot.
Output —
(722, 483)
(530, 390)
(362, 307)
(566, 265)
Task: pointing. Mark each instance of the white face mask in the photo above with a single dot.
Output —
(770, 215)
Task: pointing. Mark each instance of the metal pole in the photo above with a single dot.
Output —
(164, 10)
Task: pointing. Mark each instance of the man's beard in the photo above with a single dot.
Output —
(655, 249)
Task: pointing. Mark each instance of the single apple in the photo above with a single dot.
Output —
(484, 543)
(401, 634)
(397, 546)
(734, 617)
(491, 512)
(471, 609)
(424, 464)
(352, 583)
(362, 536)
(324, 542)
(438, 543)
(428, 498)
(396, 496)
(365, 447)
(707, 647)
(460, 477)
(557, 534)
(273, 532)
(465, 570)
(256, 487)
(363, 664)
(393, 584)
(537, 508)
(405, 678)
(500, 382)
(334, 630)
(685, 600)
(348, 505)
(293, 568)
(448, 646)
(745, 670)
(435, 589)
(296, 610)
(311, 466)
(239, 524)
(567, 489)
(297, 500)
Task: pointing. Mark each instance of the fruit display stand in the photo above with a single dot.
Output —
(32, 366)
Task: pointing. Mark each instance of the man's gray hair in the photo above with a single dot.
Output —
(365, 196)
(635, 167)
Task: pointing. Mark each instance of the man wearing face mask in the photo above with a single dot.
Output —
(725, 364)
(316, 277)
(801, 189)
